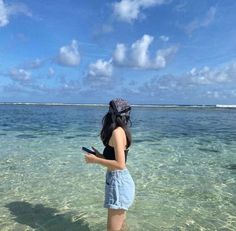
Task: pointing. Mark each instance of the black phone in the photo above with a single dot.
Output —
(88, 151)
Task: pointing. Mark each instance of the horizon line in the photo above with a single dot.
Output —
(134, 105)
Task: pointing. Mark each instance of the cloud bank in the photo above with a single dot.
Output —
(137, 56)
(212, 83)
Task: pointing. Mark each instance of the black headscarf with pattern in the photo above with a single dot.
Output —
(119, 107)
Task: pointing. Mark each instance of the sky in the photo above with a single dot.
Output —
(146, 51)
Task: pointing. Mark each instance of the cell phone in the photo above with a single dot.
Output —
(88, 151)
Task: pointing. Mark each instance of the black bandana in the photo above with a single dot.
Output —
(119, 107)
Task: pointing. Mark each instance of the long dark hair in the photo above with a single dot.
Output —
(110, 122)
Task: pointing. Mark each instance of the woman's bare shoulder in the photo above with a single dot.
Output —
(119, 135)
(118, 131)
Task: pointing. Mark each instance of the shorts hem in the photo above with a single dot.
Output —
(115, 207)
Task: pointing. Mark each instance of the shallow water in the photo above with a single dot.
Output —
(183, 161)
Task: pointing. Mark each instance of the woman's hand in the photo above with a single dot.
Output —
(90, 158)
(98, 154)
(96, 151)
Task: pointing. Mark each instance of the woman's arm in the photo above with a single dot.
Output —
(117, 140)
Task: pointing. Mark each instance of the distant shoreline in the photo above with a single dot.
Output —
(133, 105)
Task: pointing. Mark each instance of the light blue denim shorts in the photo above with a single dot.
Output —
(119, 189)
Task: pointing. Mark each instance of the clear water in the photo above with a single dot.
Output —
(183, 161)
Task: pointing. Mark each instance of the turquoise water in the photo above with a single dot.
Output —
(183, 161)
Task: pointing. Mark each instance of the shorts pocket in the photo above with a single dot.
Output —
(111, 191)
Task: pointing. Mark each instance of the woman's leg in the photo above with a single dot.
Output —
(116, 219)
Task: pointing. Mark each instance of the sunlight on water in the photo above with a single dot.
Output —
(182, 160)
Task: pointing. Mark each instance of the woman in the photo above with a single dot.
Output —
(119, 186)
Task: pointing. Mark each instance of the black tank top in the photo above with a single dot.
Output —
(109, 153)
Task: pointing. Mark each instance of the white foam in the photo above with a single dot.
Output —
(226, 105)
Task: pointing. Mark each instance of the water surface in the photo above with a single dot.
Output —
(183, 161)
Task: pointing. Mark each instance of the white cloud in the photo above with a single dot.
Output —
(19, 8)
(3, 14)
(210, 16)
(6, 11)
(19, 75)
(34, 64)
(120, 53)
(99, 73)
(163, 55)
(207, 76)
(130, 10)
(137, 56)
(69, 55)
(204, 22)
(164, 38)
(139, 51)
(101, 68)
(51, 72)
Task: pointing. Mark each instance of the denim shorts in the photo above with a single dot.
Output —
(119, 189)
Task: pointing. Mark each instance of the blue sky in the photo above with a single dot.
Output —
(147, 51)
